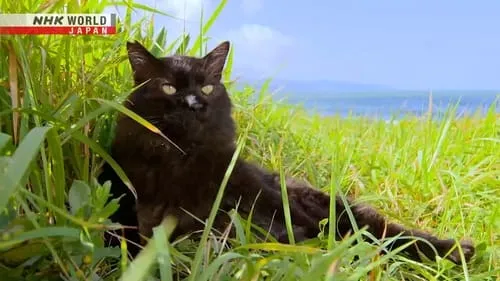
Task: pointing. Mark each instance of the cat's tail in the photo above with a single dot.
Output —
(317, 204)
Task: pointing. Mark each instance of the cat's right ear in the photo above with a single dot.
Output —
(142, 61)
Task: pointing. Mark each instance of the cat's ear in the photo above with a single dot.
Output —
(216, 59)
(142, 61)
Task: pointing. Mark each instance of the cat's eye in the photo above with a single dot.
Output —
(207, 89)
(168, 89)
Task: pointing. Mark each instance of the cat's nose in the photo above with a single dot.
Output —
(194, 103)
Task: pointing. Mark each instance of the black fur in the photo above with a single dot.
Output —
(187, 175)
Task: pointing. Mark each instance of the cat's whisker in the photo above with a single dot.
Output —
(151, 118)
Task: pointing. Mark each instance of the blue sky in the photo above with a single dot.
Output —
(418, 44)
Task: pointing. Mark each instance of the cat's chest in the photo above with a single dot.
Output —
(200, 169)
(159, 170)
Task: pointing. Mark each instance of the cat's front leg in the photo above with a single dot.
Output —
(148, 216)
(248, 183)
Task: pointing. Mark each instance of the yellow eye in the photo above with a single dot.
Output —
(207, 89)
(168, 89)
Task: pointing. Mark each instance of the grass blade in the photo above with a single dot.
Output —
(4, 140)
(215, 208)
(42, 232)
(15, 173)
(140, 267)
(139, 120)
(198, 44)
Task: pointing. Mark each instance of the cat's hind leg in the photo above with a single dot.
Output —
(317, 204)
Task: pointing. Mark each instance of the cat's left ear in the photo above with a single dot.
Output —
(216, 59)
(143, 62)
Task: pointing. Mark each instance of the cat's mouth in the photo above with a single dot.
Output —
(199, 110)
(201, 115)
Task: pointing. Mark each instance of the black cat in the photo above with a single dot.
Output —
(184, 97)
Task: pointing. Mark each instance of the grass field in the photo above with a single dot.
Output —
(58, 98)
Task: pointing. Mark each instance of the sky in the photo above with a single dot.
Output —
(407, 44)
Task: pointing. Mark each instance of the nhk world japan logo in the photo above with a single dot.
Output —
(67, 24)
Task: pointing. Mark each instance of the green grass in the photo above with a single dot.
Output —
(438, 175)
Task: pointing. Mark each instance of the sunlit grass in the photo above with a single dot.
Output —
(439, 175)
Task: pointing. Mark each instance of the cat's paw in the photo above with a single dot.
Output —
(468, 250)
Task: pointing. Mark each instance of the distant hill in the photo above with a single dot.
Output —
(328, 87)
(318, 86)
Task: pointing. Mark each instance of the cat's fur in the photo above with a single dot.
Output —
(168, 179)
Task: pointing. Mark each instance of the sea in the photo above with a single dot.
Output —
(394, 104)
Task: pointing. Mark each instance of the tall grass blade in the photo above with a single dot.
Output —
(15, 173)
(215, 208)
(198, 44)
(140, 268)
(4, 140)
(139, 120)
(14, 91)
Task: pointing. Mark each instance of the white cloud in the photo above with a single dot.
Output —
(260, 49)
(187, 15)
(250, 7)
(189, 10)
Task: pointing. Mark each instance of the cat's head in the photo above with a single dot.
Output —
(181, 94)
